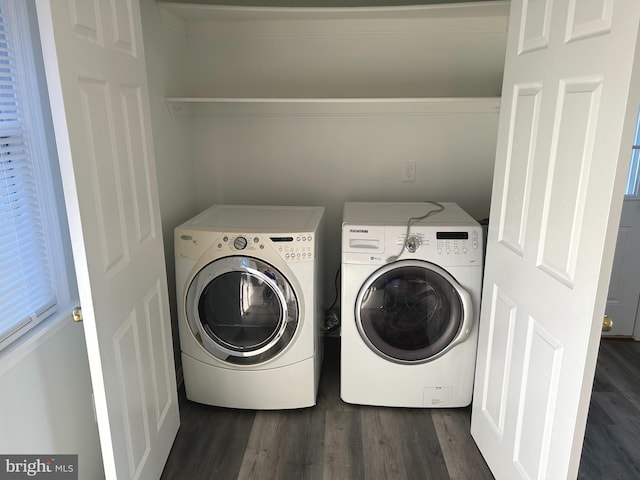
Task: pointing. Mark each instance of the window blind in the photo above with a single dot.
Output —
(26, 291)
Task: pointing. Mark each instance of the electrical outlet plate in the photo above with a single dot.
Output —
(409, 171)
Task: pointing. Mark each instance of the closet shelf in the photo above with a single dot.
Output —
(207, 106)
(318, 53)
(212, 13)
(382, 59)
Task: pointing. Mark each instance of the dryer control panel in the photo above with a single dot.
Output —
(292, 247)
(298, 247)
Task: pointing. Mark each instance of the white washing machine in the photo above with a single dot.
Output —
(248, 286)
(411, 286)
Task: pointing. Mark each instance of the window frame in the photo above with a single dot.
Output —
(20, 15)
(632, 185)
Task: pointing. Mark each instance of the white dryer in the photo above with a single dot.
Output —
(248, 289)
(411, 290)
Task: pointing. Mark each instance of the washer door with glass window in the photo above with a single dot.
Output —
(412, 311)
(242, 310)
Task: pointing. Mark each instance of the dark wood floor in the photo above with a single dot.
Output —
(611, 447)
(338, 441)
(331, 441)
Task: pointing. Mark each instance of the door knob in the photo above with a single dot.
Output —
(77, 314)
(607, 324)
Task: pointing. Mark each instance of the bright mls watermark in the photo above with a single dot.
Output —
(51, 467)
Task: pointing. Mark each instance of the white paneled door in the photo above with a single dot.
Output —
(569, 102)
(97, 85)
(624, 289)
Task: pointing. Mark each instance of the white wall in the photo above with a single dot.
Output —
(347, 58)
(42, 409)
(165, 52)
(249, 154)
(328, 160)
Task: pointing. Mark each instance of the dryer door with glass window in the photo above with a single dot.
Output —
(412, 311)
(242, 310)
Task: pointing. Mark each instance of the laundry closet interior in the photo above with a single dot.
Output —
(320, 104)
(305, 105)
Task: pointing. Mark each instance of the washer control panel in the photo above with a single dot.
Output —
(453, 245)
(292, 247)
(457, 242)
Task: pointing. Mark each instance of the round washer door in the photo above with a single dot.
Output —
(412, 311)
(242, 310)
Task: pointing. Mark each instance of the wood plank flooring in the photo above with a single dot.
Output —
(611, 447)
(338, 441)
(331, 441)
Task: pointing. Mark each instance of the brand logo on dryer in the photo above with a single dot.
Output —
(358, 230)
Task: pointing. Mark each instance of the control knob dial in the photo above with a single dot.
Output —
(240, 243)
(413, 243)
